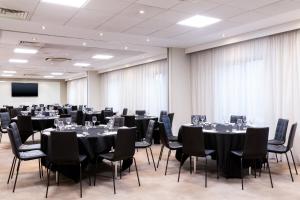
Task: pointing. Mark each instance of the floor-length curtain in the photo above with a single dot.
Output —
(259, 78)
(140, 87)
(77, 91)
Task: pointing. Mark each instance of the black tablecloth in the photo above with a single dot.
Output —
(92, 145)
(223, 142)
(142, 125)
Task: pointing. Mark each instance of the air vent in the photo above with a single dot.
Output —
(57, 59)
(31, 44)
(13, 14)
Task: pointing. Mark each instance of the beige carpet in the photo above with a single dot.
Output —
(154, 185)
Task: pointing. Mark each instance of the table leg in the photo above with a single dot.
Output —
(195, 163)
(116, 169)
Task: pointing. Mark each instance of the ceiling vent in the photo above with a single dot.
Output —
(13, 14)
(57, 59)
(31, 44)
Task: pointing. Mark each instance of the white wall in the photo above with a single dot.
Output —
(93, 92)
(77, 91)
(179, 87)
(49, 93)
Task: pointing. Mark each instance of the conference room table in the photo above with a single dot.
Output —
(223, 139)
(91, 141)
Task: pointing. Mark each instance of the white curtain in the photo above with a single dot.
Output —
(77, 91)
(258, 78)
(140, 87)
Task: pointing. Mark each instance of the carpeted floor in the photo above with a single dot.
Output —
(154, 185)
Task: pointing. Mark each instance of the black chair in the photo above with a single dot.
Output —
(129, 120)
(119, 121)
(107, 113)
(255, 149)
(168, 128)
(147, 142)
(109, 108)
(124, 149)
(64, 116)
(171, 117)
(162, 113)
(234, 118)
(281, 149)
(25, 127)
(171, 145)
(193, 145)
(21, 155)
(125, 111)
(80, 116)
(280, 133)
(14, 112)
(5, 121)
(80, 107)
(63, 150)
(74, 116)
(140, 112)
(74, 108)
(198, 118)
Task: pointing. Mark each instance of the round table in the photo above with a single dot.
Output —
(223, 139)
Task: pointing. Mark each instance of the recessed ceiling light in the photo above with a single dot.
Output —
(9, 72)
(57, 73)
(48, 76)
(27, 51)
(102, 57)
(223, 35)
(148, 40)
(7, 75)
(199, 21)
(82, 64)
(101, 34)
(141, 11)
(17, 61)
(126, 47)
(71, 3)
(34, 39)
(43, 27)
(84, 44)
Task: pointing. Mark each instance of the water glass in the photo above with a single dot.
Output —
(56, 123)
(94, 119)
(239, 123)
(68, 121)
(60, 125)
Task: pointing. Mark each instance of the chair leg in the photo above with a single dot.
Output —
(294, 162)
(190, 164)
(270, 173)
(137, 173)
(180, 167)
(0, 137)
(160, 155)
(254, 168)
(167, 162)
(152, 158)
(120, 169)
(40, 173)
(95, 171)
(217, 167)
(242, 173)
(11, 169)
(57, 178)
(18, 168)
(147, 156)
(205, 171)
(48, 179)
(276, 157)
(287, 159)
(80, 177)
(113, 176)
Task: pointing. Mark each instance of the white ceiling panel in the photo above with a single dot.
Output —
(160, 3)
(141, 30)
(149, 11)
(112, 6)
(279, 7)
(120, 23)
(247, 17)
(171, 31)
(195, 7)
(224, 12)
(171, 16)
(250, 5)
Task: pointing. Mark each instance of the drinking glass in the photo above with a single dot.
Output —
(68, 120)
(202, 118)
(94, 119)
(87, 125)
(56, 123)
(60, 125)
(239, 123)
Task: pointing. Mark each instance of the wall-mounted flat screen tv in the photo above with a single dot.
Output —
(24, 90)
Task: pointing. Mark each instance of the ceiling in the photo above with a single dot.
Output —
(116, 27)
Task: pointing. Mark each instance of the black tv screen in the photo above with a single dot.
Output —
(24, 89)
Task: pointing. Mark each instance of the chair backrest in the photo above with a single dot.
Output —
(25, 127)
(63, 148)
(281, 130)
(64, 116)
(5, 119)
(15, 139)
(73, 108)
(109, 108)
(125, 143)
(256, 142)
(125, 110)
(80, 107)
(171, 117)
(108, 113)
(129, 120)
(163, 135)
(193, 141)
(292, 136)
(15, 112)
(234, 118)
(80, 115)
(119, 121)
(162, 113)
(149, 132)
(140, 112)
(74, 116)
(167, 125)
